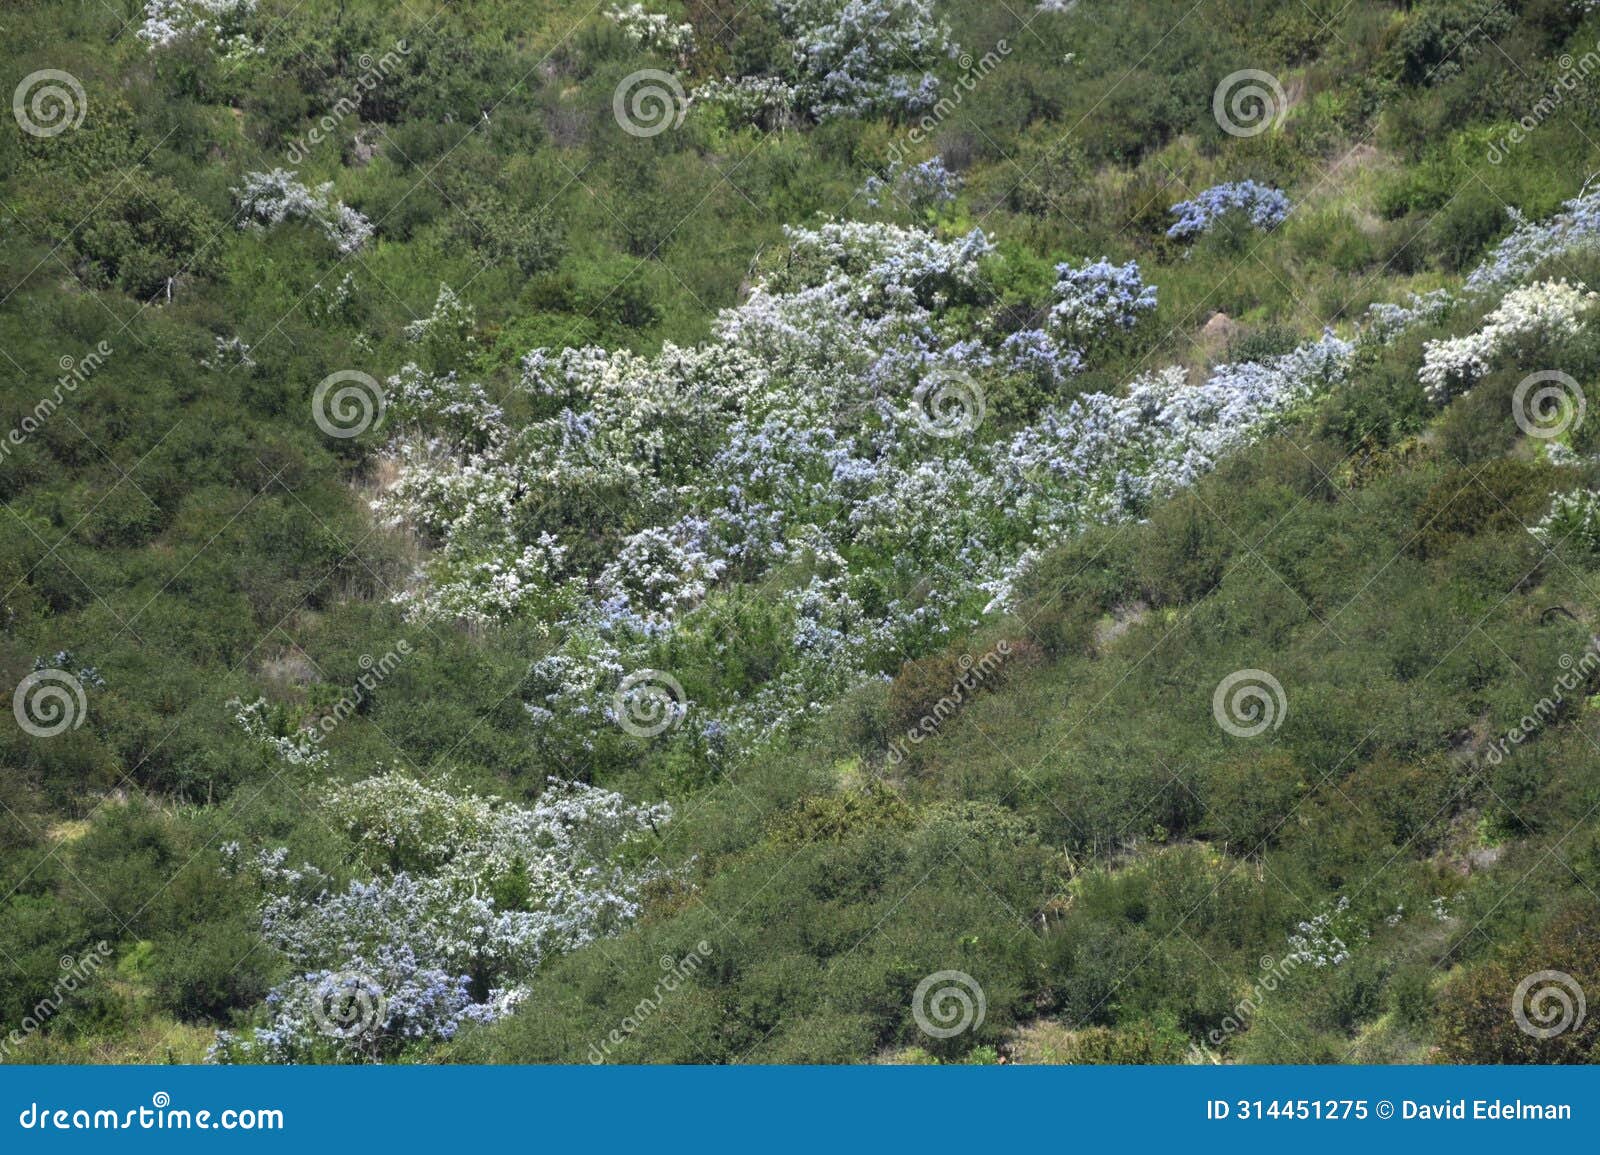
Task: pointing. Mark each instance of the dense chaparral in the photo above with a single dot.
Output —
(809, 402)
(825, 525)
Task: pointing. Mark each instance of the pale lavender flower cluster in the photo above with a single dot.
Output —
(924, 187)
(1099, 297)
(1386, 321)
(468, 896)
(805, 443)
(1265, 206)
(849, 58)
(1531, 243)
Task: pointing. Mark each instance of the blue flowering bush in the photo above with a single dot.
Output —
(922, 188)
(468, 895)
(853, 379)
(1098, 298)
(1263, 206)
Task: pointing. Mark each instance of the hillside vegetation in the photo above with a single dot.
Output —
(800, 531)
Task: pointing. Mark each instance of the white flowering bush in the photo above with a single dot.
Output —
(803, 446)
(449, 323)
(267, 199)
(466, 895)
(296, 747)
(1098, 298)
(1542, 312)
(1386, 321)
(223, 23)
(1573, 519)
(652, 30)
(1320, 940)
(846, 58)
(924, 188)
(860, 57)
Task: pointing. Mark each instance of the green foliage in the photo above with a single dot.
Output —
(1080, 838)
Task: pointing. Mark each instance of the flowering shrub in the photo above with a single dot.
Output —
(270, 198)
(1035, 355)
(298, 748)
(1386, 321)
(1543, 311)
(653, 31)
(1265, 206)
(447, 330)
(224, 22)
(848, 58)
(468, 895)
(1098, 298)
(1573, 518)
(1532, 243)
(795, 447)
(1319, 940)
(751, 99)
(851, 55)
(921, 188)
